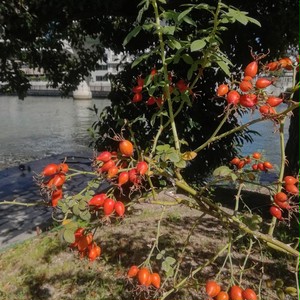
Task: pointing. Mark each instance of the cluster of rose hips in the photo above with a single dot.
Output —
(109, 205)
(249, 94)
(282, 199)
(179, 87)
(85, 245)
(51, 181)
(144, 277)
(115, 167)
(213, 290)
(259, 165)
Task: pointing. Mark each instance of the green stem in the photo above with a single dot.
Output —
(193, 273)
(281, 172)
(237, 198)
(155, 245)
(245, 261)
(181, 256)
(242, 127)
(21, 203)
(216, 211)
(165, 70)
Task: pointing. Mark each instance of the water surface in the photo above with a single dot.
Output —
(42, 126)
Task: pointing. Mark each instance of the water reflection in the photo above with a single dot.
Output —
(42, 126)
(268, 140)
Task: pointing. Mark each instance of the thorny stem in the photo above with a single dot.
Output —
(193, 273)
(230, 259)
(218, 212)
(165, 70)
(185, 246)
(242, 127)
(237, 197)
(281, 172)
(155, 245)
(245, 260)
(21, 203)
(81, 172)
(154, 195)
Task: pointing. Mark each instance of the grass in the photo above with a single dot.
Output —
(45, 268)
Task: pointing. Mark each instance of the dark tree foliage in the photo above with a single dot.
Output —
(292, 145)
(35, 32)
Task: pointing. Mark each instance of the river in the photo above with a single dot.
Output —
(267, 141)
(42, 126)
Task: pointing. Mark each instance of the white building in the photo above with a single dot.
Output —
(99, 79)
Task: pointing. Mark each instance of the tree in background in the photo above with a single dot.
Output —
(35, 32)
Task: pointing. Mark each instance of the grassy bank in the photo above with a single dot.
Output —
(46, 268)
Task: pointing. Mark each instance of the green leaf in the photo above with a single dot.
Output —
(159, 256)
(254, 21)
(187, 59)
(190, 21)
(133, 33)
(170, 260)
(186, 99)
(168, 30)
(224, 67)
(222, 171)
(69, 236)
(76, 210)
(233, 177)
(184, 13)
(165, 266)
(198, 45)
(173, 43)
(139, 59)
(173, 156)
(82, 205)
(164, 147)
(181, 164)
(85, 215)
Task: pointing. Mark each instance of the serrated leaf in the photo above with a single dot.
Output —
(168, 30)
(181, 164)
(63, 206)
(291, 291)
(224, 67)
(71, 225)
(85, 215)
(190, 21)
(189, 155)
(170, 272)
(159, 256)
(233, 177)
(164, 147)
(69, 236)
(165, 266)
(198, 45)
(170, 260)
(76, 210)
(184, 13)
(173, 157)
(184, 96)
(280, 293)
(190, 73)
(139, 59)
(82, 205)
(187, 59)
(254, 21)
(133, 33)
(222, 171)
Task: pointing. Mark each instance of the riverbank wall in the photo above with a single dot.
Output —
(41, 89)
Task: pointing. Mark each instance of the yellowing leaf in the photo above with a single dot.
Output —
(189, 155)
(67, 221)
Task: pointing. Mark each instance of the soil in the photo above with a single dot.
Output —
(59, 274)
